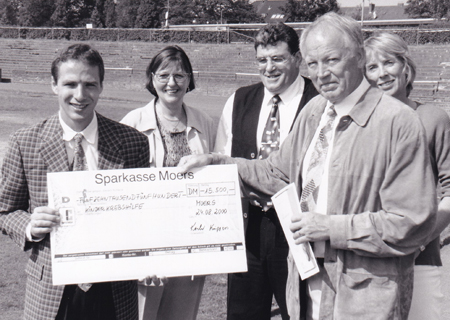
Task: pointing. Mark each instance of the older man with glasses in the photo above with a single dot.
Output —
(255, 121)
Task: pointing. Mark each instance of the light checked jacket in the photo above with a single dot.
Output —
(31, 154)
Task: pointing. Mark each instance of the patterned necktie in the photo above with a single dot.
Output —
(79, 159)
(80, 164)
(314, 173)
(271, 135)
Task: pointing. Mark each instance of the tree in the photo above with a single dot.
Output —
(9, 10)
(308, 10)
(72, 13)
(110, 14)
(240, 11)
(61, 15)
(184, 12)
(98, 14)
(149, 14)
(82, 11)
(427, 8)
(212, 11)
(36, 13)
(126, 11)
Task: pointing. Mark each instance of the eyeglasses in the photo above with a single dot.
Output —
(165, 77)
(262, 62)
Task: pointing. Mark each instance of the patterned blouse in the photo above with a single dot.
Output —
(175, 145)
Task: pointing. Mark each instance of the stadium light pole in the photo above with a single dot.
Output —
(362, 13)
(167, 13)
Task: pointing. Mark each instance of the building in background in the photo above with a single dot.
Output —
(271, 11)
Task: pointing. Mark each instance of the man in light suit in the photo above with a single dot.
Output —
(49, 146)
(359, 160)
(241, 134)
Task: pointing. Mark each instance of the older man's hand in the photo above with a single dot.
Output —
(194, 161)
(199, 160)
(310, 227)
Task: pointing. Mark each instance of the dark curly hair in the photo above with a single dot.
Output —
(271, 34)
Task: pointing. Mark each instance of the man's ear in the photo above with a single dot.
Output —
(361, 56)
(54, 86)
(298, 57)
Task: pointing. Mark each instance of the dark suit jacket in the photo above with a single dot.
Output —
(31, 154)
(246, 109)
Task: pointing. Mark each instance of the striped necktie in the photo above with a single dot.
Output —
(316, 166)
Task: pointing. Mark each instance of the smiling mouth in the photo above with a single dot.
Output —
(272, 76)
(386, 84)
(79, 106)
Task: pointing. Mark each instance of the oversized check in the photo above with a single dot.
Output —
(127, 224)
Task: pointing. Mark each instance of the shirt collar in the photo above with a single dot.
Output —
(287, 95)
(345, 106)
(89, 132)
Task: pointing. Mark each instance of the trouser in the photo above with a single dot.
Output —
(427, 296)
(178, 299)
(250, 293)
(95, 304)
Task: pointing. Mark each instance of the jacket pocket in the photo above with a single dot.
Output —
(365, 296)
(35, 270)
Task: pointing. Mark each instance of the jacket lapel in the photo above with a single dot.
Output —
(109, 155)
(53, 149)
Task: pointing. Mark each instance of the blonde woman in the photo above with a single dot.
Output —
(390, 68)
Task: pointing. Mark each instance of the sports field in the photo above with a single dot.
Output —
(25, 104)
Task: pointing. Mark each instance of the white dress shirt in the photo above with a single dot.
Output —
(89, 143)
(290, 99)
(342, 109)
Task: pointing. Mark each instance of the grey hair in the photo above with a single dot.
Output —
(392, 44)
(350, 29)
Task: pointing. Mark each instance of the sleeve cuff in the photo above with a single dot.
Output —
(30, 238)
(218, 158)
(338, 231)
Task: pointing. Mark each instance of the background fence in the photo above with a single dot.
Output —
(223, 34)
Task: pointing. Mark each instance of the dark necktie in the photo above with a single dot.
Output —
(80, 164)
(316, 166)
(271, 135)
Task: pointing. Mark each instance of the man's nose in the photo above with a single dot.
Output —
(270, 65)
(323, 70)
(80, 92)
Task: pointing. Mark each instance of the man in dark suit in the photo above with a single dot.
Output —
(270, 106)
(76, 134)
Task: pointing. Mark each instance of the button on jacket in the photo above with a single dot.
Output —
(381, 199)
